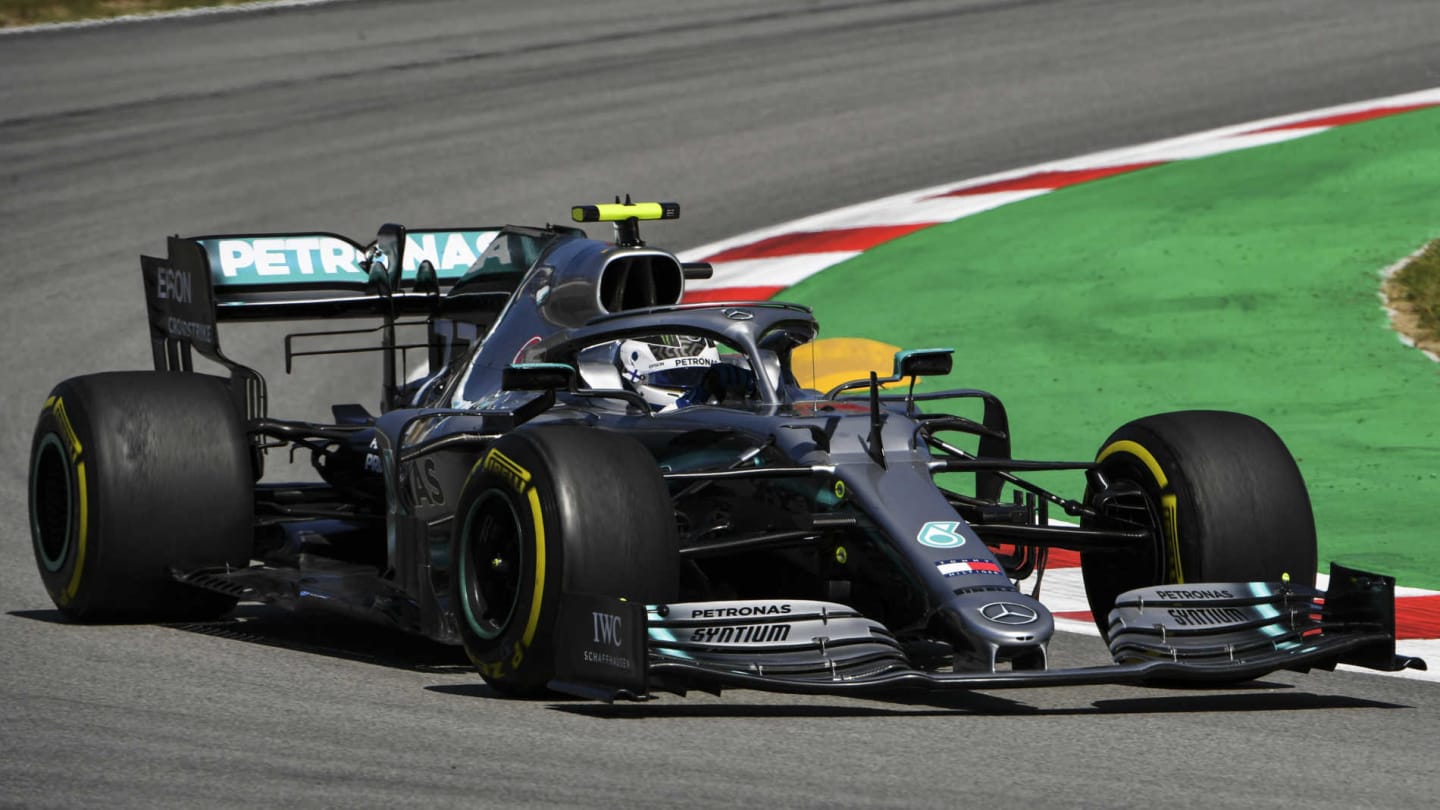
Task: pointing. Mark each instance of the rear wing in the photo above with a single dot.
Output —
(208, 279)
(290, 276)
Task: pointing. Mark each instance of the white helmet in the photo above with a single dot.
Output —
(661, 368)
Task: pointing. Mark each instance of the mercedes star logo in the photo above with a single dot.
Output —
(738, 314)
(1009, 613)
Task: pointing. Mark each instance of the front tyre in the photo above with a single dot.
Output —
(1222, 496)
(547, 509)
(133, 474)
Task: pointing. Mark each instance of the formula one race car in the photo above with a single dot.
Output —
(601, 490)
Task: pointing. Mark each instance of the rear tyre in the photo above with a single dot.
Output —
(548, 509)
(133, 474)
(1223, 497)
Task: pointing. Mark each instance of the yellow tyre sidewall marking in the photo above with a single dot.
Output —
(539, 590)
(1169, 504)
(74, 586)
(522, 481)
(68, 437)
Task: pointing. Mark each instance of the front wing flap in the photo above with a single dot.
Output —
(1176, 634)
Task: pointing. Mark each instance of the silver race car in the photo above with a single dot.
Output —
(598, 489)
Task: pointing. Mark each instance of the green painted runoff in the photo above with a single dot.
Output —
(1246, 281)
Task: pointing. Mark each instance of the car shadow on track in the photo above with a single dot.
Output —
(976, 703)
(336, 638)
(321, 635)
(972, 704)
(47, 616)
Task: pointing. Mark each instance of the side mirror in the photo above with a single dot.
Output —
(924, 363)
(390, 241)
(538, 377)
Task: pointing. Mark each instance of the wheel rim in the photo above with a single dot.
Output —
(491, 559)
(1142, 512)
(51, 503)
(1156, 549)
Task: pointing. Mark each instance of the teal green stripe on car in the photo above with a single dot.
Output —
(327, 258)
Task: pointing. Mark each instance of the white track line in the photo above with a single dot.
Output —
(911, 206)
(151, 16)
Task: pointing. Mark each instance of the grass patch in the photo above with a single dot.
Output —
(30, 12)
(1416, 287)
(1244, 281)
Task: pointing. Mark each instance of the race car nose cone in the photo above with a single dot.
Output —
(1002, 625)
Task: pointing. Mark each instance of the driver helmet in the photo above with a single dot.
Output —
(661, 368)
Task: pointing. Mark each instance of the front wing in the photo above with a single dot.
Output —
(1197, 633)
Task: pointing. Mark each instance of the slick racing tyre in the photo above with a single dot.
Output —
(548, 509)
(133, 474)
(1220, 493)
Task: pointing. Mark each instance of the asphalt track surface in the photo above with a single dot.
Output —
(343, 116)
